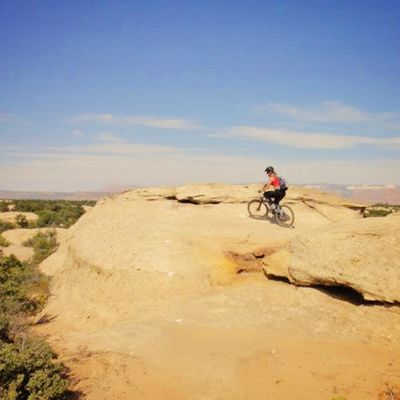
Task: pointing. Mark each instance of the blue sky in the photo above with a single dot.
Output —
(101, 93)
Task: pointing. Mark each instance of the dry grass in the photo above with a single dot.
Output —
(390, 393)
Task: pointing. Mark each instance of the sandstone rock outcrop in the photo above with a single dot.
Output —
(162, 287)
(157, 239)
(215, 193)
(362, 255)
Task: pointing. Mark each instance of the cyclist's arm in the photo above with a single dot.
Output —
(267, 185)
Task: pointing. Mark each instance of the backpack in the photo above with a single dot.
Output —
(283, 183)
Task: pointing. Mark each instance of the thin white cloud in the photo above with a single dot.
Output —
(106, 148)
(109, 137)
(130, 149)
(91, 167)
(333, 112)
(299, 139)
(123, 120)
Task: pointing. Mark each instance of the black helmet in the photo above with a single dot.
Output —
(269, 169)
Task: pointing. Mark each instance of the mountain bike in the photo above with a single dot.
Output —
(282, 214)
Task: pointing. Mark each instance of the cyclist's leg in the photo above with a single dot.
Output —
(277, 196)
(280, 195)
(269, 196)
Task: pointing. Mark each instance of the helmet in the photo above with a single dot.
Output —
(269, 169)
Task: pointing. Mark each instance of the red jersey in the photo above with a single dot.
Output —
(275, 182)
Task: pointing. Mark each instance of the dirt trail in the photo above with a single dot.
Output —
(148, 304)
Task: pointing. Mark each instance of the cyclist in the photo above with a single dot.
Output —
(273, 196)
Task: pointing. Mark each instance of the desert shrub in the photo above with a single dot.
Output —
(28, 371)
(43, 244)
(47, 218)
(32, 225)
(4, 242)
(63, 217)
(386, 205)
(61, 213)
(4, 327)
(377, 212)
(3, 206)
(21, 221)
(5, 226)
(17, 281)
(381, 210)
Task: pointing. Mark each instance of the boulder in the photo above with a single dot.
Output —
(361, 254)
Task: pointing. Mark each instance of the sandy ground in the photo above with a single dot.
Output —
(162, 300)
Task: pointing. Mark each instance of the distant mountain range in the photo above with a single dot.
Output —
(372, 194)
(368, 194)
(19, 195)
(79, 195)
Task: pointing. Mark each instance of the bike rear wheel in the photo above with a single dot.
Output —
(257, 208)
(284, 216)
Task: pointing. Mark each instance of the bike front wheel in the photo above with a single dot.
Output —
(284, 216)
(257, 208)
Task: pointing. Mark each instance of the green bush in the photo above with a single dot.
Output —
(386, 205)
(17, 281)
(377, 213)
(63, 218)
(3, 206)
(28, 371)
(4, 242)
(381, 210)
(44, 244)
(61, 213)
(5, 226)
(47, 218)
(21, 221)
(28, 368)
(4, 327)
